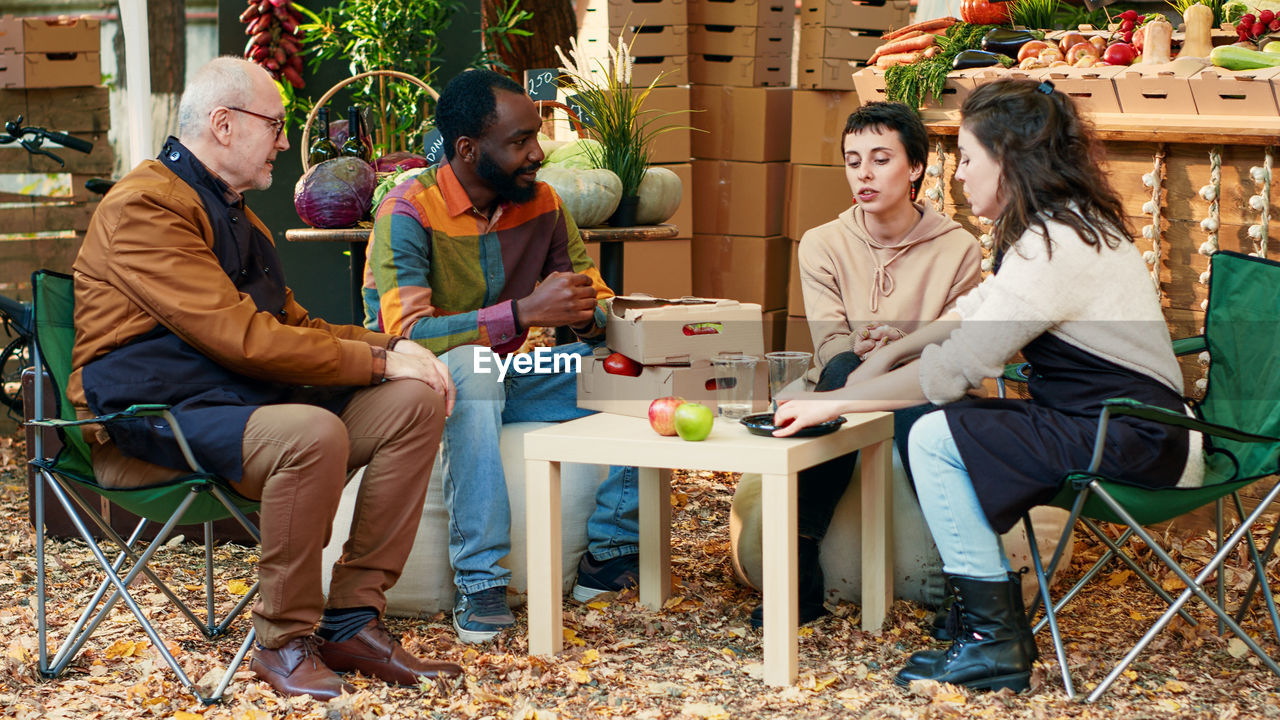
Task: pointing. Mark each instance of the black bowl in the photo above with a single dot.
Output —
(762, 424)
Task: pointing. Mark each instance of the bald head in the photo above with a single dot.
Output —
(225, 81)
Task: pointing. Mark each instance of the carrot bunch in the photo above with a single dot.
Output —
(911, 44)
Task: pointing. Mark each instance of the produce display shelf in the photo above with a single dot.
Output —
(1134, 127)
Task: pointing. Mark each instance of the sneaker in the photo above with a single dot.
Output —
(597, 577)
(480, 616)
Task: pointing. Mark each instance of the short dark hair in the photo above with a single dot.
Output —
(467, 106)
(899, 118)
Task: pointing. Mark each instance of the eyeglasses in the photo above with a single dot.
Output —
(277, 123)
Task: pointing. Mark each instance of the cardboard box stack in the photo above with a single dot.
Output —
(675, 341)
(740, 63)
(657, 31)
(746, 43)
(838, 36)
(46, 53)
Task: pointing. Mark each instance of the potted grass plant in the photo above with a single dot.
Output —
(616, 118)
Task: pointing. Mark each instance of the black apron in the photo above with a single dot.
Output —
(1018, 452)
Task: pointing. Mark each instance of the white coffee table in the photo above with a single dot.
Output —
(609, 439)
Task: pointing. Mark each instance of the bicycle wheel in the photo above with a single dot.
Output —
(15, 358)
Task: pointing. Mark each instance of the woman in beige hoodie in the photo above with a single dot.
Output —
(884, 267)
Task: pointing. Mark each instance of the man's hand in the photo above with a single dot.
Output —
(411, 360)
(562, 298)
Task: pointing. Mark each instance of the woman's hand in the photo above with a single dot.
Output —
(874, 336)
(803, 409)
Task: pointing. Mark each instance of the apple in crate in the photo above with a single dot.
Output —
(662, 414)
(693, 421)
(619, 364)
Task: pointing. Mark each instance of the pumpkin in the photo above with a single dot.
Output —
(660, 191)
(984, 12)
(589, 196)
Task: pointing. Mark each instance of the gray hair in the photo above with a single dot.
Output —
(224, 81)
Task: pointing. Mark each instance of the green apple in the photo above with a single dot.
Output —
(693, 421)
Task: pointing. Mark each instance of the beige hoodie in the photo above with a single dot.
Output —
(850, 279)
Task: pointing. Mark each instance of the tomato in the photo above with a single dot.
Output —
(619, 364)
(984, 12)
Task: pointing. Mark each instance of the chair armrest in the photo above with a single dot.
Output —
(1133, 408)
(1190, 345)
(130, 413)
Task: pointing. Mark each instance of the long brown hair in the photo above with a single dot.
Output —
(1050, 164)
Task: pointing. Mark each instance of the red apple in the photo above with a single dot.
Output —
(1120, 54)
(619, 364)
(662, 414)
(1031, 48)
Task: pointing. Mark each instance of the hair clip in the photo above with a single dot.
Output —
(1045, 87)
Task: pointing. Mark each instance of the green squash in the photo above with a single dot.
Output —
(590, 196)
(660, 192)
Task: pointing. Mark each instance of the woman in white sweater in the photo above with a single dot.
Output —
(1072, 293)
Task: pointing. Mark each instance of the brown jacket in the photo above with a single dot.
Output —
(148, 259)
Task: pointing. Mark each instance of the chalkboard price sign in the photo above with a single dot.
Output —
(541, 83)
(576, 106)
(433, 147)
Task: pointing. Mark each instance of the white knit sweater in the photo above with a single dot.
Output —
(1101, 301)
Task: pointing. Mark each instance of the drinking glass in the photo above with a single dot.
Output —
(785, 368)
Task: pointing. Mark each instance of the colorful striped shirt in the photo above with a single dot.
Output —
(441, 273)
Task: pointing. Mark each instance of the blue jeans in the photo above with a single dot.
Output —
(475, 488)
(965, 540)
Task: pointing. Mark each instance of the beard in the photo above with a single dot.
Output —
(506, 185)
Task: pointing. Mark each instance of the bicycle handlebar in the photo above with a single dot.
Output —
(66, 140)
(14, 131)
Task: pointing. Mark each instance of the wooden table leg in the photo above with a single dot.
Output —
(781, 601)
(655, 537)
(877, 533)
(542, 507)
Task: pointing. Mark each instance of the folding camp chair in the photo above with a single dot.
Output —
(198, 497)
(1243, 392)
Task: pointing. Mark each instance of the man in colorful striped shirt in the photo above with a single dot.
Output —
(463, 259)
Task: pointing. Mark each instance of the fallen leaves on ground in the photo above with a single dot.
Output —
(696, 659)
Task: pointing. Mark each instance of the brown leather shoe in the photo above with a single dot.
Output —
(296, 668)
(375, 653)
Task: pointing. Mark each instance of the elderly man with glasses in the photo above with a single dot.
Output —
(180, 299)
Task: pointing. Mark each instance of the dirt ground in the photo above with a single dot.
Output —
(697, 658)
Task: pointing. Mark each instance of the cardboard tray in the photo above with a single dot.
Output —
(739, 40)
(39, 35)
(769, 71)
(660, 331)
(758, 13)
(626, 395)
(1218, 91)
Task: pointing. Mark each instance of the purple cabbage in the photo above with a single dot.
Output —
(336, 193)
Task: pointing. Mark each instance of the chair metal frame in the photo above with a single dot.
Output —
(1081, 485)
(64, 487)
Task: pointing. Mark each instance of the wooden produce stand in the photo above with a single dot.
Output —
(1160, 166)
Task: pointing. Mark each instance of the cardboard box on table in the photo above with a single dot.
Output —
(738, 198)
(675, 341)
(740, 123)
(1093, 89)
(1162, 89)
(758, 13)
(1236, 93)
(869, 82)
(817, 125)
(740, 40)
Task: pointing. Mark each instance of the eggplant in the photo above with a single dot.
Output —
(974, 59)
(1006, 42)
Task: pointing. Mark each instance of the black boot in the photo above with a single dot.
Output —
(938, 627)
(812, 587)
(991, 651)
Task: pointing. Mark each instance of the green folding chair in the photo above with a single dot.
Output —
(1240, 419)
(198, 497)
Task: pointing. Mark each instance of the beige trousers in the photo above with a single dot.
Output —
(297, 459)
